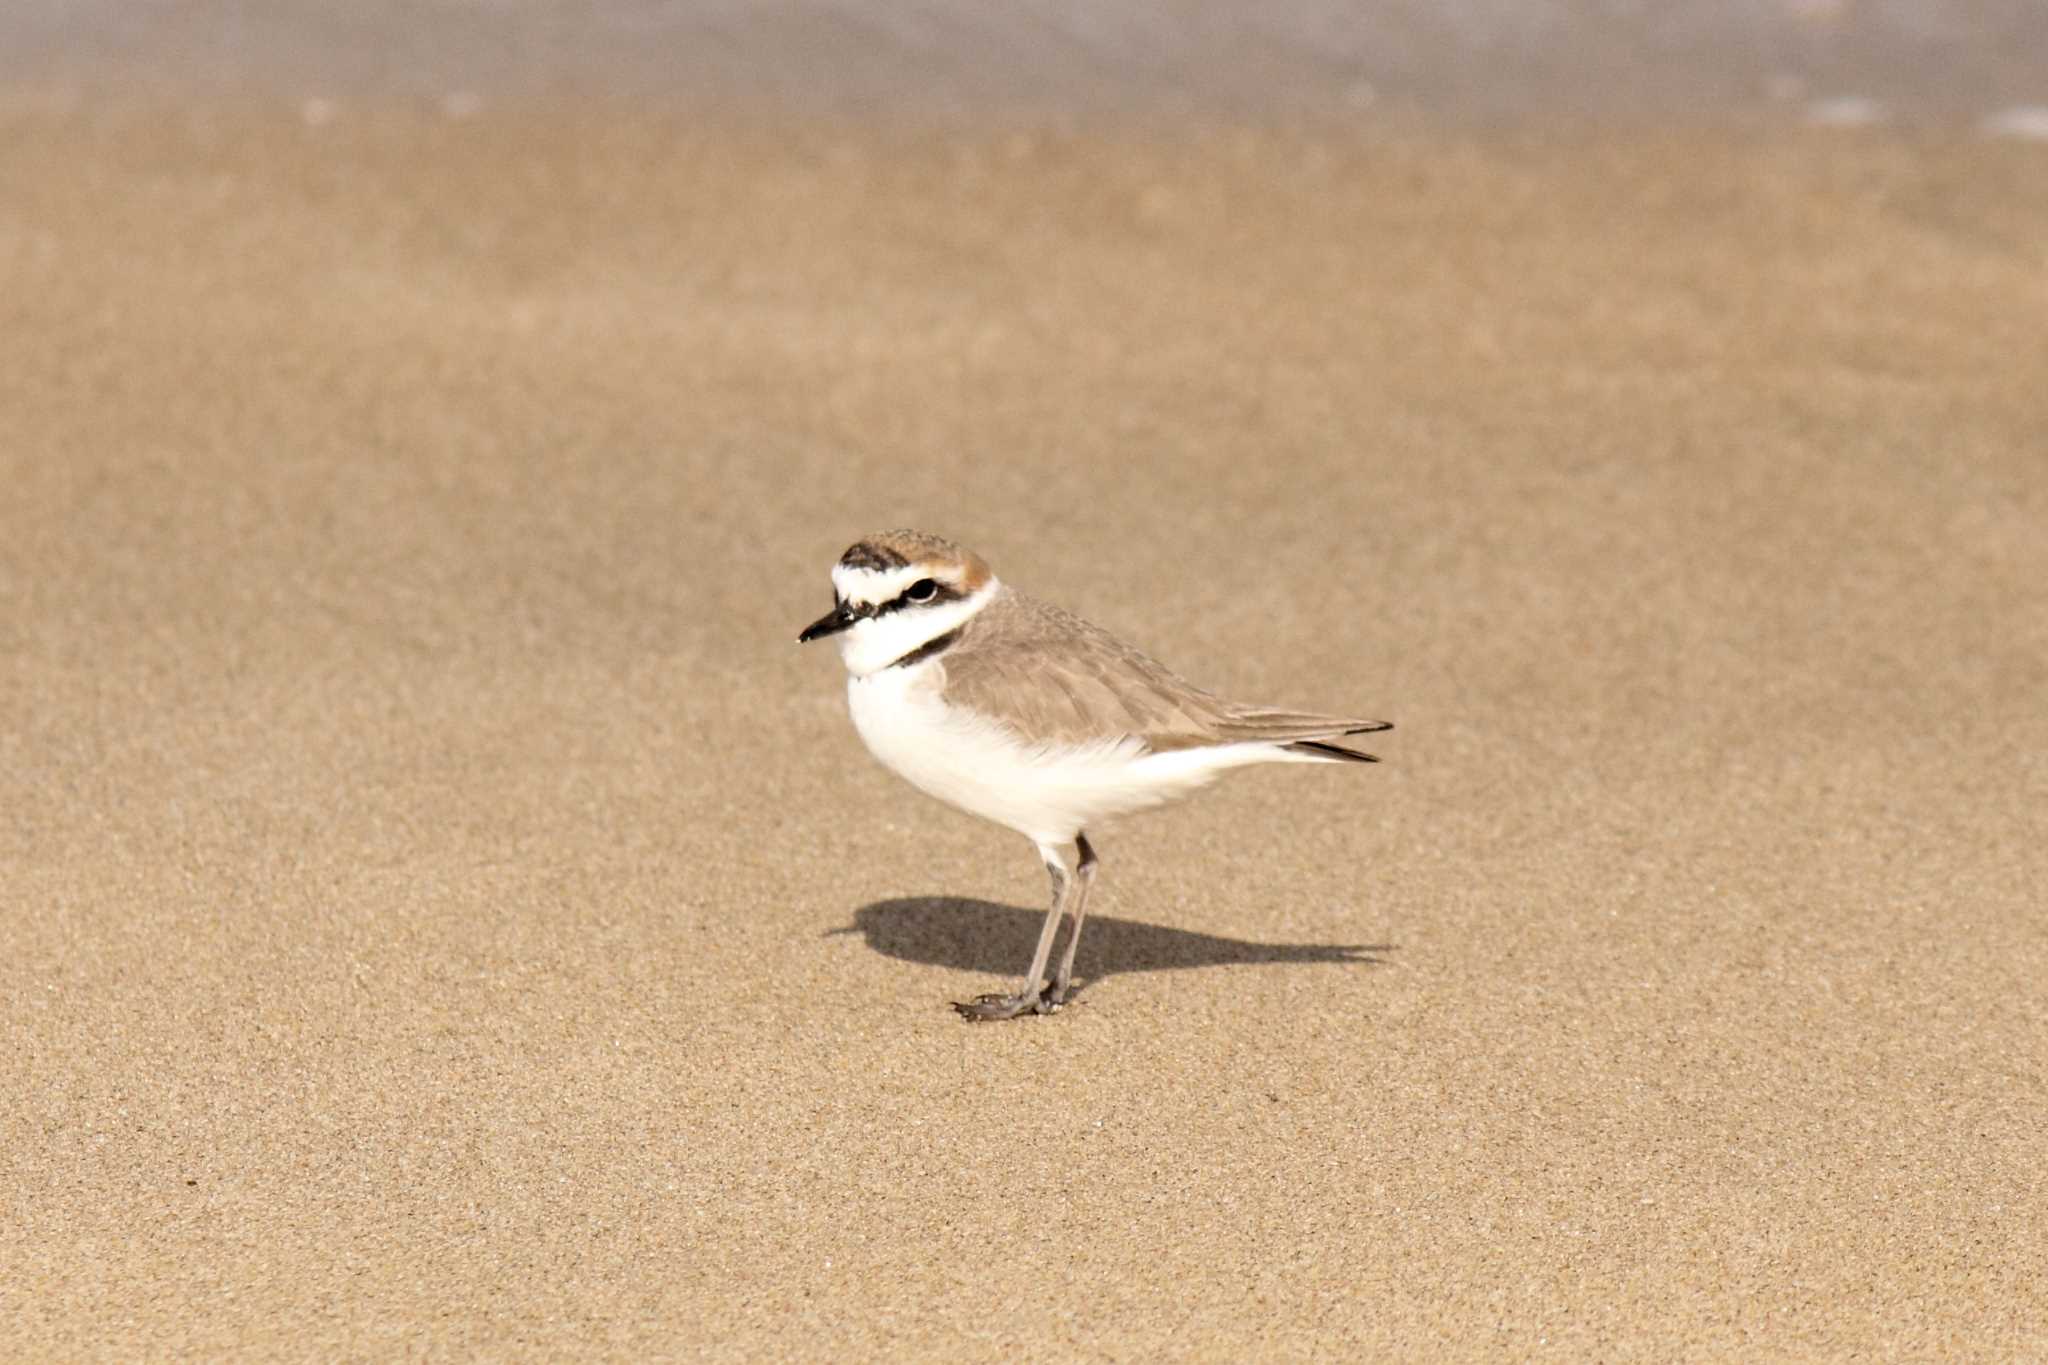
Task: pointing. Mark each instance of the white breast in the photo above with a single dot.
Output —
(1046, 793)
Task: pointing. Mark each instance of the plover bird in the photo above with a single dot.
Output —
(1018, 712)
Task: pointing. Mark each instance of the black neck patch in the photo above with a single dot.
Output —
(938, 644)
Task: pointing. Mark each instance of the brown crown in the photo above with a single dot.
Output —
(900, 549)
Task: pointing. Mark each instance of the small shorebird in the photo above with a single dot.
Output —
(1020, 713)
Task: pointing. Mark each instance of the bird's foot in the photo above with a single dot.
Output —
(992, 1006)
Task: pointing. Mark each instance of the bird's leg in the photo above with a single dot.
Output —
(1029, 1000)
(1084, 877)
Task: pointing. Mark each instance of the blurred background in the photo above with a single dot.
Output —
(1843, 61)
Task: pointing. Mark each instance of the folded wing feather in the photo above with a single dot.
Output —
(1055, 679)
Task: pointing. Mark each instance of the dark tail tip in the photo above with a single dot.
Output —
(1322, 750)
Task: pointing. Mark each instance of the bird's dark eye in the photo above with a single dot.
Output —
(923, 590)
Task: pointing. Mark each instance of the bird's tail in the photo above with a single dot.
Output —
(1304, 732)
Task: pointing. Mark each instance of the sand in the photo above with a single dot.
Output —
(445, 914)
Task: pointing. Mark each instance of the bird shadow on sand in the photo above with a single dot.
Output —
(996, 940)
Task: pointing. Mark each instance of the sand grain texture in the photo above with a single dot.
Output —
(446, 915)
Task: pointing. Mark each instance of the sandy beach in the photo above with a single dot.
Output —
(446, 915)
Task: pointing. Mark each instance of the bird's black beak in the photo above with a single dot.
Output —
(831, 623)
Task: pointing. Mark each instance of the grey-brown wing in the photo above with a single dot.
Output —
(1055, 678)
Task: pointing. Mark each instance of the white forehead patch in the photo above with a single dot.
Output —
(872, 587)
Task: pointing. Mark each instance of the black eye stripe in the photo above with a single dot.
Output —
(941, 592)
